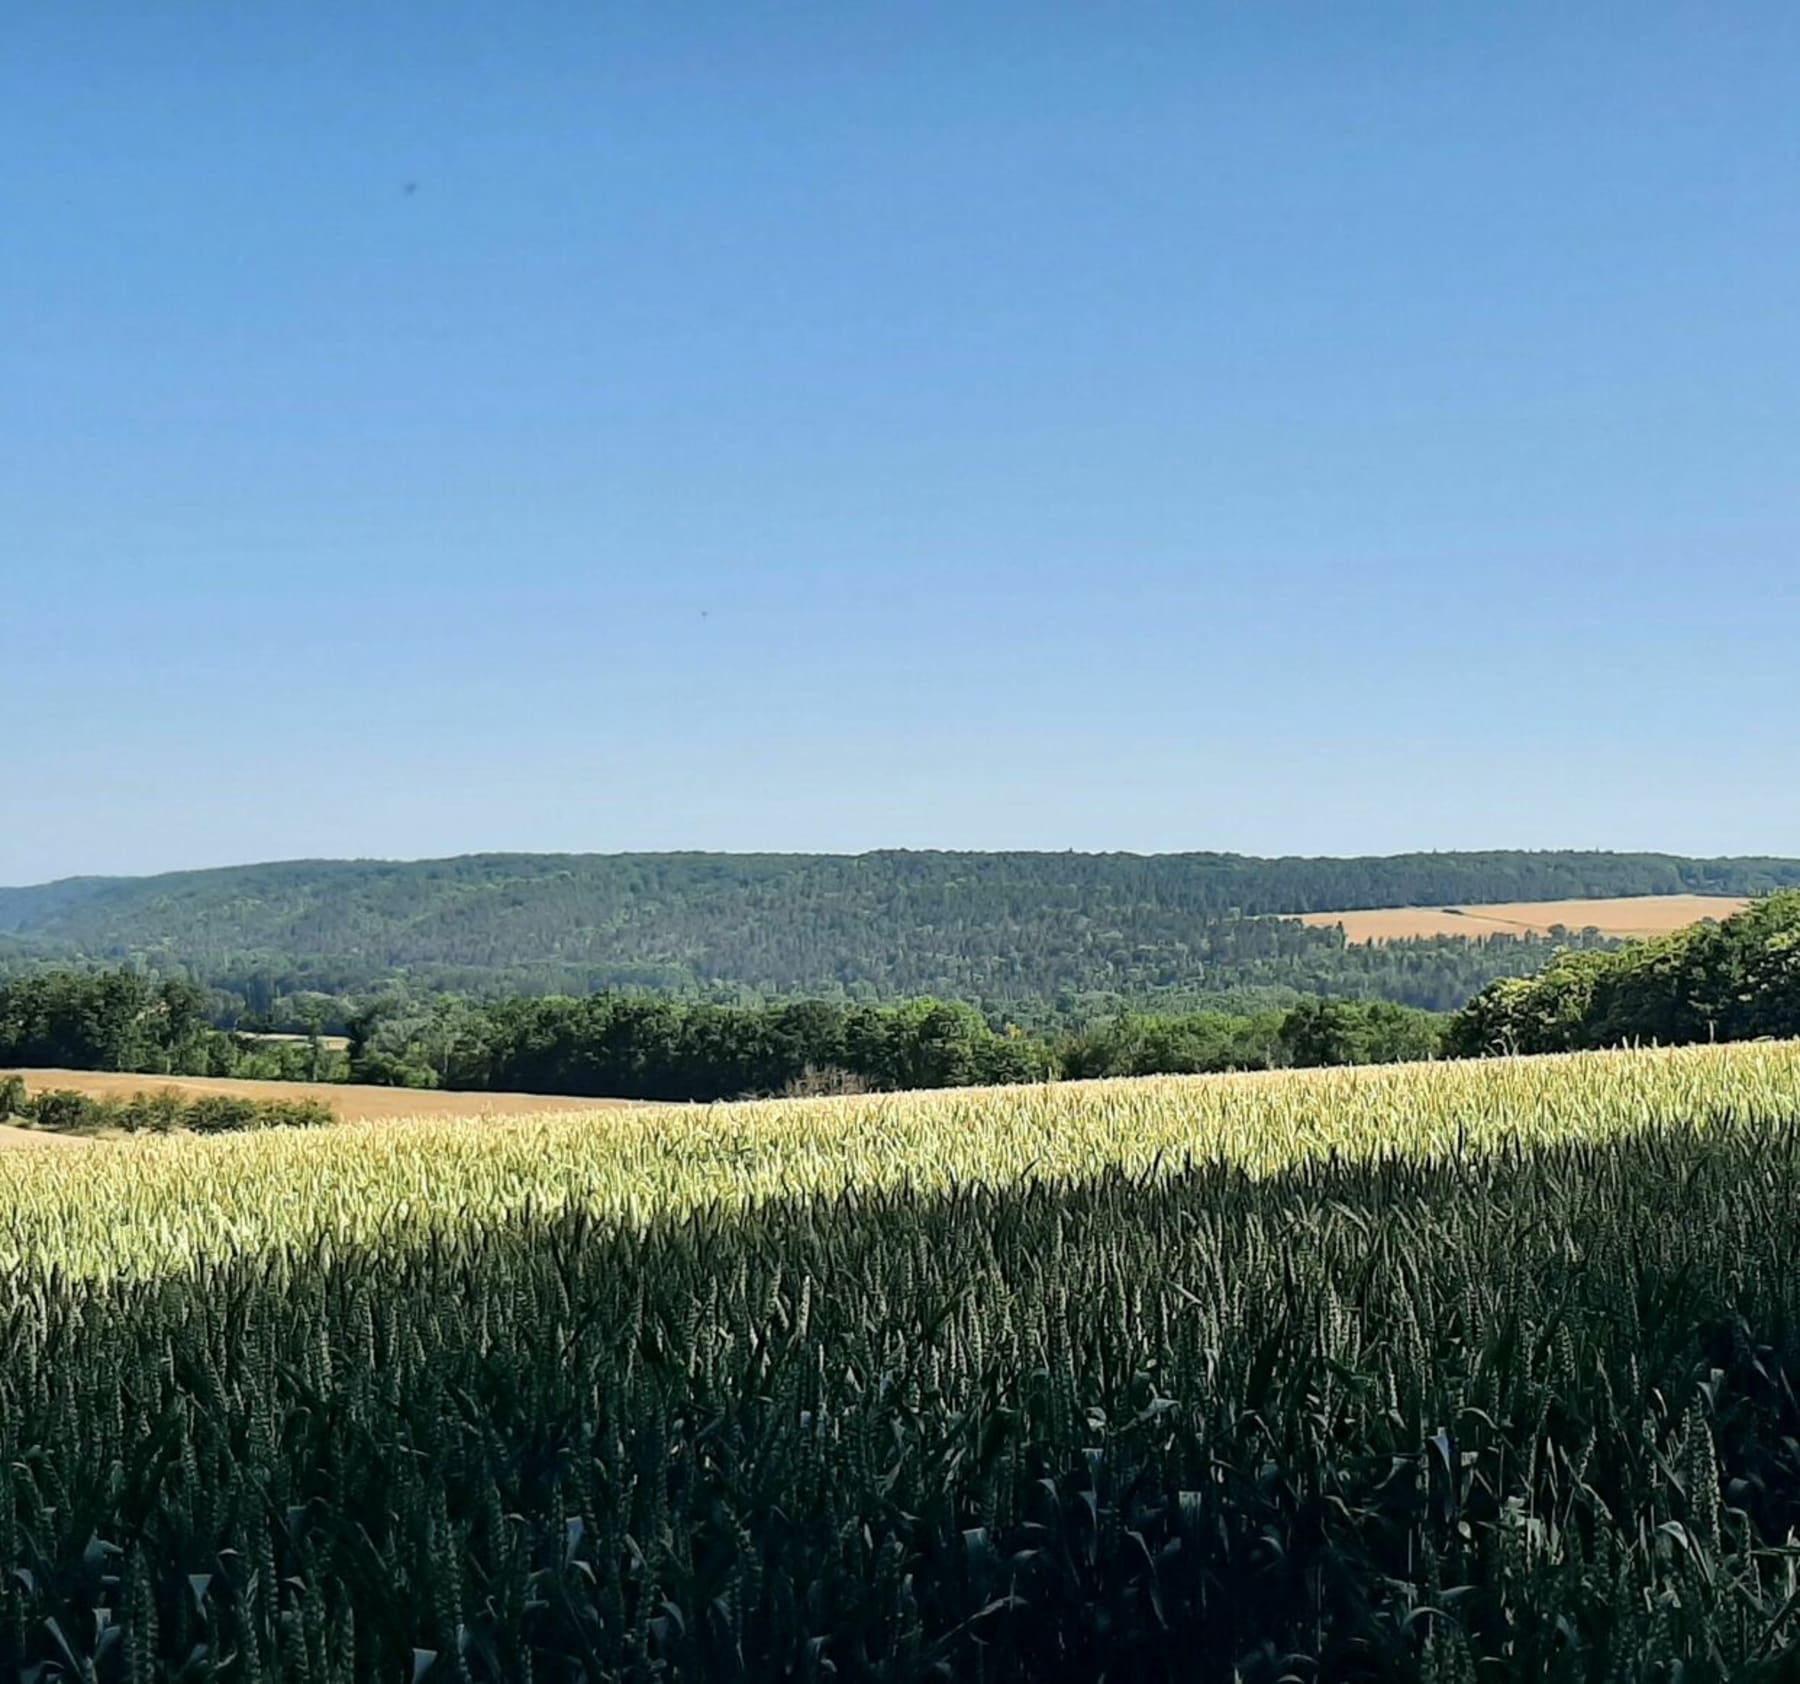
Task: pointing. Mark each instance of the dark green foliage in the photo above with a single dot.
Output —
(1320, 1032)
(1732, 981)
(58, 1109)
(995, 929)
(110, 1020)
(654, 1047)
(224, 1113)
(1137, 1044)
(129, 1021)
(157, 1111)
(649, 1048)
(1525, 1417)
(646, 1048)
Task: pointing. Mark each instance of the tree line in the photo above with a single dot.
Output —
(1736, 980)
(652, 1047)
(132, 1021)
(648, 1048)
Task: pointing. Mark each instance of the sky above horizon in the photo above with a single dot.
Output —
(1281, 429)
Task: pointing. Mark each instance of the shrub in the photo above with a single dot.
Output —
(162, 1110)
(60, 1108)
(156, 1112)
(291, 1113)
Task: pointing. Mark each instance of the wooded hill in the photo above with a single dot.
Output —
(990, 928)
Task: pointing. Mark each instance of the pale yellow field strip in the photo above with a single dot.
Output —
(1632, 916)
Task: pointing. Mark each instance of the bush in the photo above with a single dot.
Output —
(60, 1108)
(389, 1070)
(161, 1110)
(225, 1113)
(221, 1114)
(295, 1114)
(156, 1113)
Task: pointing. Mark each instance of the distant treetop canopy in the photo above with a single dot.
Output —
(984, 927)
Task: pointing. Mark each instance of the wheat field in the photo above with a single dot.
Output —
(1427, 1372)
(160, 1202)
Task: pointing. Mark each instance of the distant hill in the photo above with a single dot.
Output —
(989, 927)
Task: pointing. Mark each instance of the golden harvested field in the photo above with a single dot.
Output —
(353, 1104)
(1630, 916)
(13, 1138)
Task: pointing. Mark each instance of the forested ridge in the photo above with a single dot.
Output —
(991, 928)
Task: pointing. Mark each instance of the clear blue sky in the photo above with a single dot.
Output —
(1289, 428)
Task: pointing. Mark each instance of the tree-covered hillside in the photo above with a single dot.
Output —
(1738, 980)
(984, 927)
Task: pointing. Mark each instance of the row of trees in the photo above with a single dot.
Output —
(158, 1112)
(638, 1047)
(1732, 981)
(126, 1020)
(651, 1047)
(1312, 1033)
